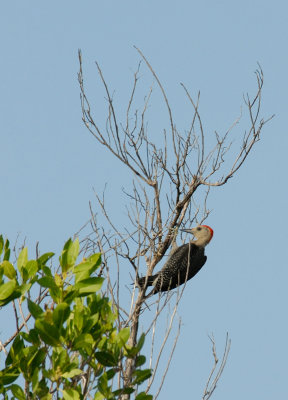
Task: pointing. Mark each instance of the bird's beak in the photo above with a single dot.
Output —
(187, 230)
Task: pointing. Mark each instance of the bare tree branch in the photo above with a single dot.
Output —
(215, 374)
(172, 176)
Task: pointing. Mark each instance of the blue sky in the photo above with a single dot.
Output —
(49, 163)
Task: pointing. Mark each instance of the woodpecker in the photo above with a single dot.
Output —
(183, 263)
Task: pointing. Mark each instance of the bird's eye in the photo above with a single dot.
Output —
(199, 228)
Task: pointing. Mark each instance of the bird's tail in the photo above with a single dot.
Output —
(150, 280)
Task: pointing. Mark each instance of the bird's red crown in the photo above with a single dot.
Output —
(210, 229)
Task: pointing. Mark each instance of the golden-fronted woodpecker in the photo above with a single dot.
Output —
(183, 263)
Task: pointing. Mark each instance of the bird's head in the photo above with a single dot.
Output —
(203, 234)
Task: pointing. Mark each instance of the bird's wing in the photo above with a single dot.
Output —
(191, 256)
(196, 261)
(179, 254)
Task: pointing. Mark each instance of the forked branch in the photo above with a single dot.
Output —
(216, 370)
(171, 172)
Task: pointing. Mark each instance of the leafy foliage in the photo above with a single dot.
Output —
(72, 347)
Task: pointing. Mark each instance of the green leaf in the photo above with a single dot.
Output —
(140, 342)
(1, 244)
(95, 259)
(70, 394)
(70, 294)
(22, 259)
(99, 396)
(35, 380)
(141, 376)
(92, 261)
(90, 322)
(103, 385)
(58, 280)
(133, 351)
(31, 268)
(106, 359)
(63, 257)
(34, 309)
(9, 269)
(17, 392)
(15, 352)
(42, 389)
(73, 252)
(84, 341)
(6, 250)
(87, 267)
(111, 373)
(47, 282)
(127, 390)
(7, 289)
(9, 375)
(47, 271)
(90, 285)
(48, 332)
(22, 289)
(42, 260)
(123, 336)
(78, 318)
(60, 314)
(60, 360)
(31, 337)
(144, 396)
(72, 373)
(69, 254)
(17, 291)
(37, 358)
(140, 360)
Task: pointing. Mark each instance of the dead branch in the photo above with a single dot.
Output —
(171, 172)
(215, 374)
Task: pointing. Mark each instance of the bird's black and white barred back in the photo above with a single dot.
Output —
(183, 264)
